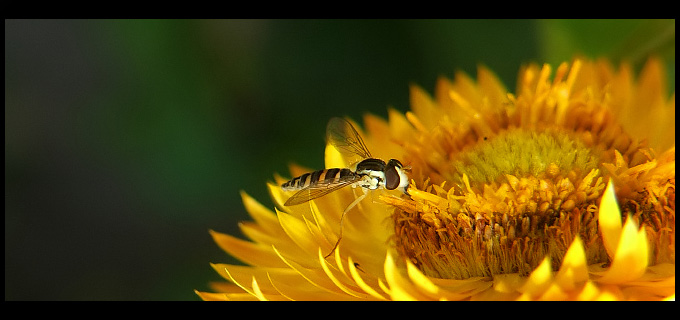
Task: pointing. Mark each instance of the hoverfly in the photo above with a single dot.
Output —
(369, 174)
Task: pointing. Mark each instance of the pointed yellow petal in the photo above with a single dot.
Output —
(240, 275)
(466, 89)
(265, 240)
(224, 286)
(261, 214)
(574, 269)
(467, 107)
(315, 276)
(360, 281)
(589, 292)
(400, 127)
(610, 220)
(297, 230)
(554, 293)
(336, 280)
(399, 288)
(257, 292)
(423, 107)
(381, 144)
(441, 94)
(246, 251)
(507, 283)
(630, 261)
(454, 290)
(651, 86)
(277, 195)
(317, 235)
(237, 282)
(421, 281)
(256, 233)
(338, 262)
(492, 88)
(539, 280)
(323, 225)
(333, 158)
(607, 296)
(209, 296)
(451, 289)
(415, 122)
(302, 291)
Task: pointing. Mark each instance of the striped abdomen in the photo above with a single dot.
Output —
(326, 177)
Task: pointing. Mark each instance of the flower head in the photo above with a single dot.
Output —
(564, 190)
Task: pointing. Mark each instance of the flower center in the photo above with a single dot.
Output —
(522, 153)
(518, 197)
(498, 188)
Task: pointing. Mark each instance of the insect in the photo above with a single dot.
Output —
(369, 174)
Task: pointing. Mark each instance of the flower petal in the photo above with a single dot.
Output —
(423, 107)
(452, 289)
(421, 281)
(538, 282)
(630, 261)
(302, 291)
(360, 281)
(277, 194)
(334, 159)
(257, 291)
(610, 220)
(400, 127)
(240, 275)
(589, 292)
(336, 279)
(445, 289)
(574, 269)
(554, 293)
(399, 287)
(297, 230)
(264, 217)
(315, 276)
(246, 251)
(209, 296)
(492, 87)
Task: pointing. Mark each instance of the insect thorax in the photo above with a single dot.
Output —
(372, 172)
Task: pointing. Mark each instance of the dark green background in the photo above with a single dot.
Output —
(126, 140)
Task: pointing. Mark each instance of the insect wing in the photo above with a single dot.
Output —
(319, 190)
(342, 135)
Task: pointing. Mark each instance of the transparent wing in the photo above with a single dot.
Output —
(319, 190)
(342, 135)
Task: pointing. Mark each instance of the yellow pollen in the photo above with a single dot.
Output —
(522, 153)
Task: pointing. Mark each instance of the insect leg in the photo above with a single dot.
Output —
(342, 219)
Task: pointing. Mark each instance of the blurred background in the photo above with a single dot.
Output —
(127, 140)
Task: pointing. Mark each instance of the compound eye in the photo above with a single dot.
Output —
(391, 177)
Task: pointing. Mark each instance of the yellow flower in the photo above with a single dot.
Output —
(562, 191)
